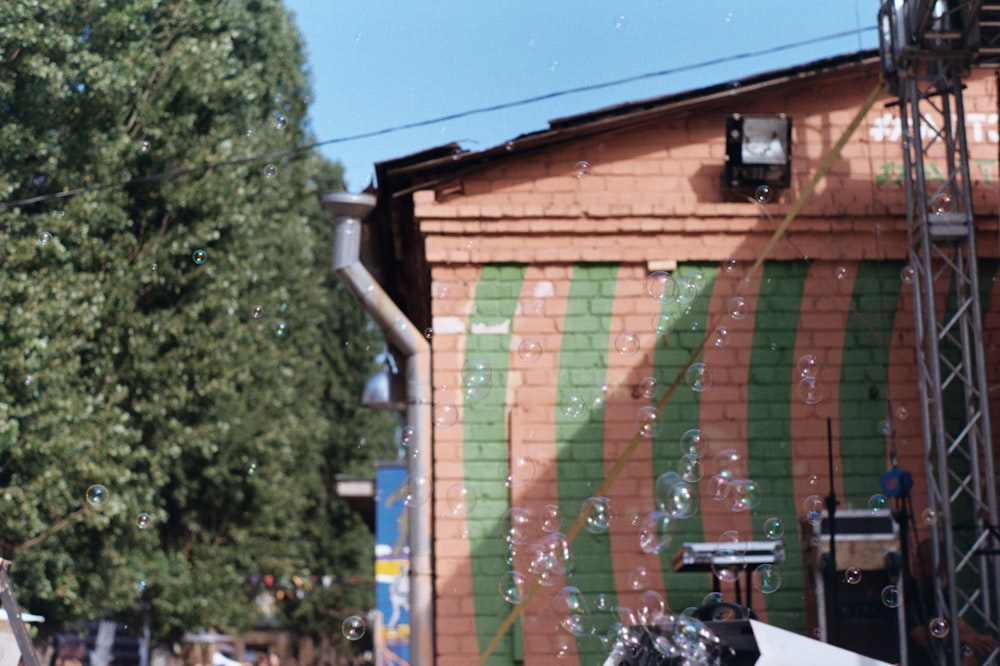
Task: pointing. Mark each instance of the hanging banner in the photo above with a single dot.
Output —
(392, 566)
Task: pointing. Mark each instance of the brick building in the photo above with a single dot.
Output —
(529, 266)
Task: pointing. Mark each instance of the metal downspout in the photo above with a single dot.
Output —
(348, 210)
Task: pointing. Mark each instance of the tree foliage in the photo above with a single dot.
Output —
(219, 398)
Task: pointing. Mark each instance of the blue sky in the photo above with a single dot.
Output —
(378, 64)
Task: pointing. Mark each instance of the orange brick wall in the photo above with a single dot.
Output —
(653, 194)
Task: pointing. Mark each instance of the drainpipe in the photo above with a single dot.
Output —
(348, 210)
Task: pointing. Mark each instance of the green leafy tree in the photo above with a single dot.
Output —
(177, 337)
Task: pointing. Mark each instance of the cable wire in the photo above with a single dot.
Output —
(176, 173)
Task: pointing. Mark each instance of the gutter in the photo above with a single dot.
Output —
(348, 210)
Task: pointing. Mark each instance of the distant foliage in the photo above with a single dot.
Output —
(181, 340)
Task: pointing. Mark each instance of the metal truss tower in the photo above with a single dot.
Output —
(927, 46)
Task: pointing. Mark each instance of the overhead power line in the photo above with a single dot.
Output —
(176, 173)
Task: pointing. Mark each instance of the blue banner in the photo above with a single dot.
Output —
(392, 566)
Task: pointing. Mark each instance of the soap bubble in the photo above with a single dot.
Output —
(731, 266)
(698, 377)
(663, 322)
(516, 526)
(582, 168)
(852, 575)
(461, 498)
(813, 479)
(251, 468)
(687, 291)
(941, 203)
(694, 442)
(712, 598)
(738, 308)
(647, 387)
(280, 329)
(476, 393)
(550, 518)
(718, 487)
(529, 350)
(929, 516)
(939, 627)
(902, 413)
(689, 467)
(648, 422)
(966, 651)
(655, 532)
(878, 503)
(572, 611)
(354, 628)
(774, 528)
(813, 506)
(199, 256)
(638, 579)
(603, 603)
(766, 579)
(477, 373)
(418, 491)
(97, 495)
(744, 495)
(810, 390)
(763, 194)
(445, 414)
(884, 427)
(729, 557)
(280, 121)
(731, 463)
(890, 596)
(270, 170)
(719, 337)
(145, 147)
(840, 273)
(597, 514)
(520, 472)
(807, 365)
(627, 343)
(572, 405)
(675, 496)
(907, 274)
(406, 435)
(44, 238)
(661, 287)
(257, 312)
(651, 606)
(511, 586)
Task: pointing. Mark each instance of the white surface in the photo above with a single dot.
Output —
(779, 647)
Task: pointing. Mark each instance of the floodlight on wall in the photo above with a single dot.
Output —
(758, 151)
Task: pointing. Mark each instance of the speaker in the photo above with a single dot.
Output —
(848, 611)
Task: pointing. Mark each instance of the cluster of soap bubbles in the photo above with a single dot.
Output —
(679, 639)
(537, 551)
(809, 390)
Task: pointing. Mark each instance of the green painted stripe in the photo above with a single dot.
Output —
(769, 424)
(580, 439)
(685, 330)
(864, 379)
(484, 449)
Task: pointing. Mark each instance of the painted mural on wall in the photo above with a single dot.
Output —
(666, 407)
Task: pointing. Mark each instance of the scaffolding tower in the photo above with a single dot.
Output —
(927, 47)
